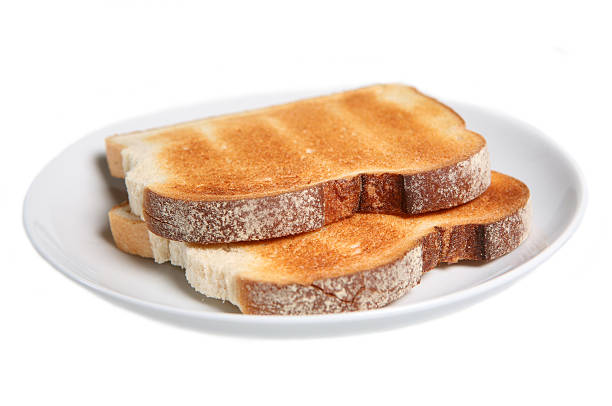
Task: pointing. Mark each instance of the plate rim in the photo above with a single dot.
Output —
(457, 297)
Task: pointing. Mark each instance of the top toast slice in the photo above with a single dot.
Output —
(293, 168)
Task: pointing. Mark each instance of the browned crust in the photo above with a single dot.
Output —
(382, 193)
(376, 288)
(281, 215)
(234, 220)
(224, 221)
(358, 291)
(367, 289)
(341, 198)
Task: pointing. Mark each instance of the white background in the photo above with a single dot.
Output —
(72, 67)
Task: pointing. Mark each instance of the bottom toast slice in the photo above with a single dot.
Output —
(363, 262)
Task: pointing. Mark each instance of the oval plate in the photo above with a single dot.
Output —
(65, 217)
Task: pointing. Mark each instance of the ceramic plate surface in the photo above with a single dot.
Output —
(65, 216)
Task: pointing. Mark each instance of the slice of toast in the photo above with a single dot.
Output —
(296, 167)
(363, 262)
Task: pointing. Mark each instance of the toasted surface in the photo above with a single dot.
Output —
(364, 261)
(378, 129)
(245, 163)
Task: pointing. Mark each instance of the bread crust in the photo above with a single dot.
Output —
(372, 289)
(205, 222)
(231, 219)
(113, 157)
(375, 288)
(130, 234)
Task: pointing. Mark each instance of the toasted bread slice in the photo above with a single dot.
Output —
(363, 262)
(293, 168)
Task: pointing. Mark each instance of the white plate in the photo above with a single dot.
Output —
(65, 218)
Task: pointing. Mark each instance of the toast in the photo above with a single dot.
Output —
(362, 262)
(294, 168)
